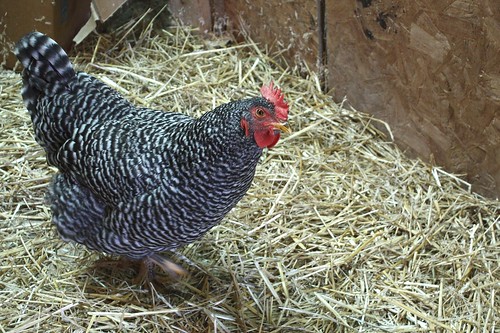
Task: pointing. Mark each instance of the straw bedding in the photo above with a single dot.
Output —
(340, 232)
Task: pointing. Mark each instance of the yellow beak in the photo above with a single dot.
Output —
(281, 127)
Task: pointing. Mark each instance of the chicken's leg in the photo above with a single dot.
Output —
(146, 271)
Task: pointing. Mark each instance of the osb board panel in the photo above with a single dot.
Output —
(431, 69)
(282, 26)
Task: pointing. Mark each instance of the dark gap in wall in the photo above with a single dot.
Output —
(322, 52)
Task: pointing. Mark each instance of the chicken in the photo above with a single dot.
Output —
(136, 182)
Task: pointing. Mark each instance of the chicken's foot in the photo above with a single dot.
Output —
(146, 273)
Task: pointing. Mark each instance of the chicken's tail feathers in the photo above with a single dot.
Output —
(47, 67)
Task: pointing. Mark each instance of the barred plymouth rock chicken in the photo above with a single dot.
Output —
(135, 182)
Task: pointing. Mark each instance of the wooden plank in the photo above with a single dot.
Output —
(196, 13)
(288, 27)
(59, 19)
(106, 8)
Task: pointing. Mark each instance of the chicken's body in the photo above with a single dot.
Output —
(133, 181)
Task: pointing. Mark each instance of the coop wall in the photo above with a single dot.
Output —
(429, 69)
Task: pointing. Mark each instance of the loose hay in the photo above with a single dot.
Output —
(339, 232)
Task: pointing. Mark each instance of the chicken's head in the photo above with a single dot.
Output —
(267, 120)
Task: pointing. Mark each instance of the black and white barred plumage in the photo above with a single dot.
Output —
(134, 181)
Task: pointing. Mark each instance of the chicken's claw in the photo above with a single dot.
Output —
(146, 273)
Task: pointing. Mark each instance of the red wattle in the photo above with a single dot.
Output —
(266, 139)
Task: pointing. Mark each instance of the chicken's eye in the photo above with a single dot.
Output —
(260, 113)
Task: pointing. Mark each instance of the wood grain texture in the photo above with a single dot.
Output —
(431, 70)
(196, 13)
(288, 27)
(59, 19)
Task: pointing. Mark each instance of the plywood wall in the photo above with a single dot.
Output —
(430, 69)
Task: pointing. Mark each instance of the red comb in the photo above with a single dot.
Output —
(275, 96)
